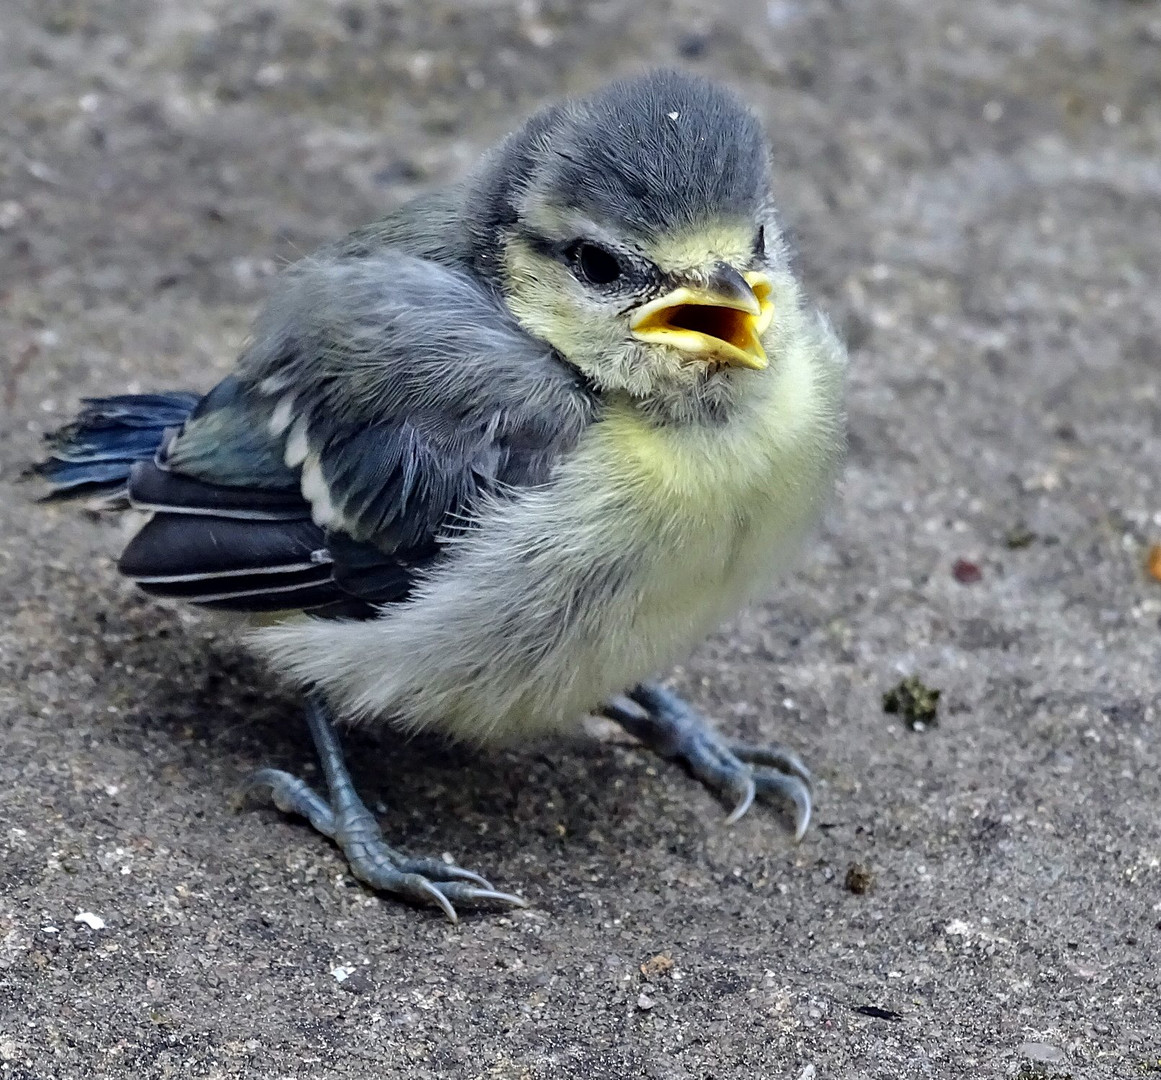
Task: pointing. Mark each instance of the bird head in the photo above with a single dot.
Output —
(633, 231)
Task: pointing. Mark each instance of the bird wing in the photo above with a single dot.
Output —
(381, 396)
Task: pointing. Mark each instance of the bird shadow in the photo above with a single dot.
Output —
(430, 793)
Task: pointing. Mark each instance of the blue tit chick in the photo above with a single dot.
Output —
(494, 462)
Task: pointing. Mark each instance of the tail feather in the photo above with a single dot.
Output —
(92, 456)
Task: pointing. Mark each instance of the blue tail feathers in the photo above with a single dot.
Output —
(92, 456)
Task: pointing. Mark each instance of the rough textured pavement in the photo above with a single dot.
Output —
(976, 192)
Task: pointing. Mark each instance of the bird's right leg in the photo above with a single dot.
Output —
(736, 770)
(347, 821)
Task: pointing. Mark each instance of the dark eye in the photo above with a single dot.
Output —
(760, 242)
(592, 263)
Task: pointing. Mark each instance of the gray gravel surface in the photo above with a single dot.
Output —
(976, 193)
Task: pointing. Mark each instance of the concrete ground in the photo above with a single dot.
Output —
(976, 194)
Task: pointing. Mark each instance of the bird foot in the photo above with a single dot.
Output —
(348, 822)
(735, 771)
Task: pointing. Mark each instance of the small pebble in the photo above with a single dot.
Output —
(1019, 536)
(860, 879)
(1038, 1051)
(358, 982)
(966, 572)
(660, 964)
(1153, 562)
(916, 703)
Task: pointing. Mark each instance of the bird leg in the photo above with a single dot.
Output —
(736, 771)
(348, 822)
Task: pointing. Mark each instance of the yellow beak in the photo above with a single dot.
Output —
(721, 322)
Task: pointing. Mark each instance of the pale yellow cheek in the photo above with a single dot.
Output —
(541, 296)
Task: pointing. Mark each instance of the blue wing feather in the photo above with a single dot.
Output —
(412, 391)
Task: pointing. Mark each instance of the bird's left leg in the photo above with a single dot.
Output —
(348, 822)
(736, 771)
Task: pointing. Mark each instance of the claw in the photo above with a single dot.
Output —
(493, 896)
(423, 887)
(749, 790)
(802, 823)
(790, 787)
(625, 710)
(457, 873)
(804, 807)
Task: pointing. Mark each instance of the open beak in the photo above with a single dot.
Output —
(720, 322)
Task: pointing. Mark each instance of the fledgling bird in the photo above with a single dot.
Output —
(495, 461)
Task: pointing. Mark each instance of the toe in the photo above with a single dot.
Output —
(772, 756)
(438, 870)
(292, 795)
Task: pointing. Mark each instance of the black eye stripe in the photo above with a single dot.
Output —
(637, 278)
